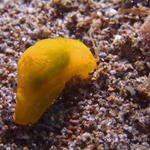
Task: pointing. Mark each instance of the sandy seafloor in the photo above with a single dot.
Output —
(111, 111)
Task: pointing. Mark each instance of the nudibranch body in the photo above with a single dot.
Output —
(43, 71)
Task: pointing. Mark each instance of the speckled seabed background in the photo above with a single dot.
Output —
(110, 111)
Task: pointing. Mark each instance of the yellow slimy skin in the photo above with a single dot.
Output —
(43, 71)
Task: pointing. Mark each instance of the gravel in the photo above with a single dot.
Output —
(109, 111)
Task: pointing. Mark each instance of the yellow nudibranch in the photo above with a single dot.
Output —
(43, 71)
